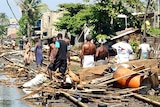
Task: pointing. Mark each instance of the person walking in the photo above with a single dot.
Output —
(123, 50)
(60, 60)
(144, 49)
(88, 52)
(38, 53)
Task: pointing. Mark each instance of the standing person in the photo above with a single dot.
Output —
(21, 43)
(52, 49)
(144, 49)
(123, 50)
(60, 60)
(38, 53)
(102, 55)
(88, 52)
(27, 53)
(51, 54)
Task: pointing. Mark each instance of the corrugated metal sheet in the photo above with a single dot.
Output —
(124, 32)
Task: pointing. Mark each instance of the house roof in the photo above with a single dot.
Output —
(124, 32)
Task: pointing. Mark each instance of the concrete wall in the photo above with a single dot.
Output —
(48, 20)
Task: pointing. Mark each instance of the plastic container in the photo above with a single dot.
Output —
(133, 81)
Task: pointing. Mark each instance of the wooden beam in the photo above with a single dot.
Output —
(73, 99)
(157, 104)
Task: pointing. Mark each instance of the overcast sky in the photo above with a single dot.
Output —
(52, 4)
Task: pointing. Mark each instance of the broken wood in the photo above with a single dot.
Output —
(73, 99)
(20, 65)
(102, 79)
(157, 104)
(138, 68)
(93, 91)
(37, 90)
(130, 90)
(107, 97)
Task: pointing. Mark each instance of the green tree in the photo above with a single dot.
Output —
(4, 21)
(71, 20)
(101, 17)
(31, 12)
(23, 25)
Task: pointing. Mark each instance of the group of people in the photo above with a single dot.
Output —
(123, 50)
(59, 55)
(29, 53)
(90, 55)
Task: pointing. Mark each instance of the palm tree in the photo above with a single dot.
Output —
(33, 9)
(3, 24)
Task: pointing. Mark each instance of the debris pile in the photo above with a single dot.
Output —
(96, 86)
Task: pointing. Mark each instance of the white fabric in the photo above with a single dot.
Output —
(68, 79)
(123, 49)
(39, 79)
(144, 47)
(88, 61)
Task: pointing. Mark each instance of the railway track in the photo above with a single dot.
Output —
(51, 95)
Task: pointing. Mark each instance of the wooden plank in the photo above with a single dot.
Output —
(102, 79)
(139, 68)
(157, 104)
(73, 99)
(108, 97)
(130, 90)
(93, 90)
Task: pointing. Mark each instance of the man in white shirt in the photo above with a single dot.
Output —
(123, 50)
(144, 49)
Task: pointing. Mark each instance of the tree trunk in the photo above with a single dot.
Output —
(28, 32)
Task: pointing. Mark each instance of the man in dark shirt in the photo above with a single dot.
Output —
(60, 60)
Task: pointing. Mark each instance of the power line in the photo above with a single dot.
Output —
(12, 11)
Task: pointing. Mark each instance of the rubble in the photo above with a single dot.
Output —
(95, 86)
